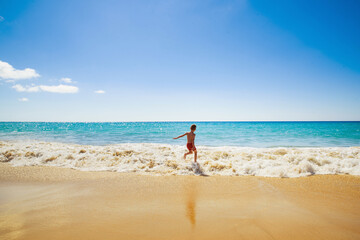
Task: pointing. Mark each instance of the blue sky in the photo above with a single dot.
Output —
(74, 60)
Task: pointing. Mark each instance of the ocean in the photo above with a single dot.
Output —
(241, 134)
(274, 149)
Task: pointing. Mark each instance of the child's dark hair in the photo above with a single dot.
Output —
(193, 127)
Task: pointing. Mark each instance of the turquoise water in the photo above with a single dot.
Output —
(244, 134)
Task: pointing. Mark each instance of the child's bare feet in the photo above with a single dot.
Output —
(185, 156)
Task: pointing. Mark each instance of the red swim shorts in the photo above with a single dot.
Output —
(190, 146)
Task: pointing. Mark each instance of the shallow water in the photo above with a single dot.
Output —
(166, 159)
(272, 149)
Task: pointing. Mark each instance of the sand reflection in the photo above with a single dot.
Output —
(191, 195)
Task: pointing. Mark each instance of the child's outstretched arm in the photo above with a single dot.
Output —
(180, 136)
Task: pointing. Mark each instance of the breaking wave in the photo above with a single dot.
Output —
(165, 159)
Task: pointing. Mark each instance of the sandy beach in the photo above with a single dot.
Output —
(54, 203)
(179, 120)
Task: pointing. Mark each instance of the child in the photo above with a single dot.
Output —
(190, 142)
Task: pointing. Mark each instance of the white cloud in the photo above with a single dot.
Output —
(9, 72)
(99, 91)
(20, 88)
(59, 89)
(24, 99)
(44, 88)
(1, 18)
(66, 80)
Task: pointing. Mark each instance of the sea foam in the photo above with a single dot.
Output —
(165, 159)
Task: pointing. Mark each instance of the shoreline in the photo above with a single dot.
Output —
(166, 159)
(170, 143)
(38, 173)
(40, 202)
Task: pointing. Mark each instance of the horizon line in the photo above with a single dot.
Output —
(185, 121)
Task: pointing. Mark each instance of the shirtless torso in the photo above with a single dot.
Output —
(191, 137)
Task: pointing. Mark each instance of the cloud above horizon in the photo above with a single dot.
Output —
(99, 91)
(24, 99)
(46, 88)
(66, 80)
(9, 72)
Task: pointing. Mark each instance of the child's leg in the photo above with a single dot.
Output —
(195, 155)
(190, 152)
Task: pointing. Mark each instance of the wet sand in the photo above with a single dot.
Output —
(55, 203)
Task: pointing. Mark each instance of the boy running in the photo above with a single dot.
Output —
(190, 142)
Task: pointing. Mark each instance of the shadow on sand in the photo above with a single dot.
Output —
(198, 170)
